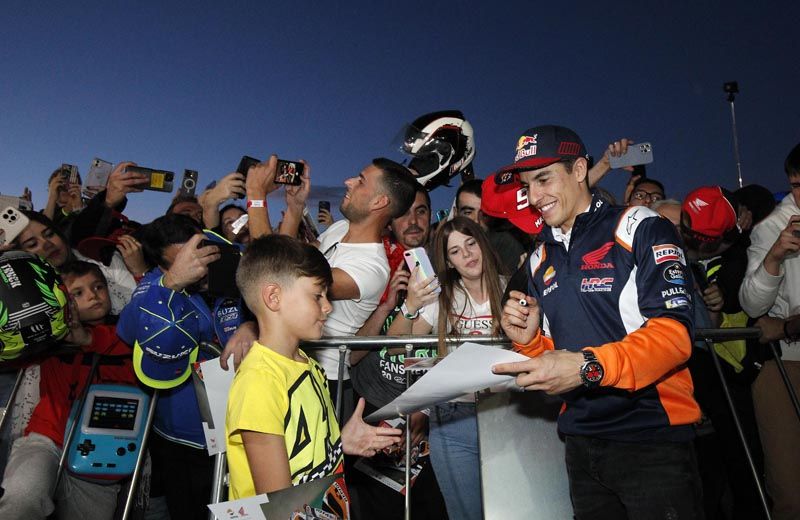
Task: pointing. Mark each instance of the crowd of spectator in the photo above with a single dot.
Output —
(141, 300)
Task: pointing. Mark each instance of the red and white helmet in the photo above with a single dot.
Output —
(442, 145)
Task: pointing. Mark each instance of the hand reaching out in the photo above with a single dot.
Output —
(359, 438)
(132, 255)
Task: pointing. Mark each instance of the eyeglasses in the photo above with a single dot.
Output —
(642, 195)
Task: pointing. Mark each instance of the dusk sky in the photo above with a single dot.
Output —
(197, 85)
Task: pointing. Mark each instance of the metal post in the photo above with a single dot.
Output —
(739, 429)
(137, 470)
(218, 481)
(340, 382)
(12, 397)
(408, 444)
(732, 88)
(786, 380)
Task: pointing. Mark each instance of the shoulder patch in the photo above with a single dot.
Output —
(537, 258)
(628, 224)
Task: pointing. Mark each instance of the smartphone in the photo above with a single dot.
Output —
(289, 172)
(222, 272)
(188, 183)
(97, 178)
(15, 202)
(418, 257)
(442, 214)
(246, 163)
(326, 205)
(70, 173)
(12, 222)
(641, 153)
(640, 170)
(158, 180)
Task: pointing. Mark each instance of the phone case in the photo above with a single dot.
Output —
(640, 153)
(12, 222)
(160, 180)
(418, 257)
(98, 173)
(188, 183)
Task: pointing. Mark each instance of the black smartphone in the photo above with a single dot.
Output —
(188, 183)
(640, 170)
(246, 163)
(326, 205)
(222, 272)
(289, 172)
(157, 180)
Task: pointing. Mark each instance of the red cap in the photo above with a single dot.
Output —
(510, 201)
(711, 213)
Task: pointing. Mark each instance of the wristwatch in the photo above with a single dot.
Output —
(407, 314)
(591, 371)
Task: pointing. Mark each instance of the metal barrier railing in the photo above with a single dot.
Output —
(343, 344)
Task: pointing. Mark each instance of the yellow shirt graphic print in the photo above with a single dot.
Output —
(277, 395)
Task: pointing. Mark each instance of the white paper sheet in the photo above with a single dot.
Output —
(466, 370)
(218, 383)
(243, 509)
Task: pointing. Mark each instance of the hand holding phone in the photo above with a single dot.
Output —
(12, 222)
(417, 257)
(641, 153)
(289, 172)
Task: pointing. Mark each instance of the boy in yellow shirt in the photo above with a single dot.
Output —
(281, 426)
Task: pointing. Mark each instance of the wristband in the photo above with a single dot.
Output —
(407, 314)
(255, 203)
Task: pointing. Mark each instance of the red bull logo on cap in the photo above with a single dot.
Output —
(526, 146)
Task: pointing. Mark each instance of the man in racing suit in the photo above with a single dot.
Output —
(607, 322)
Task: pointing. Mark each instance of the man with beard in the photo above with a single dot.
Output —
(379, 376)
(382, 191)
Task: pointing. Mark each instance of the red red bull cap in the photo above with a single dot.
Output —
(542, 146)
(510, 201)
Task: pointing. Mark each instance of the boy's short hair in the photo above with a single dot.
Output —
(80, 268)
(278, 259)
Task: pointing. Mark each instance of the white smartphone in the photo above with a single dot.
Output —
(418, 257)
(640, 153)
(97, 178)
(12, 222)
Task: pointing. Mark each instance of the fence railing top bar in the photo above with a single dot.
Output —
(376, 342)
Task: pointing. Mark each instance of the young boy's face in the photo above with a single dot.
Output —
(305, 307)
(91, 296)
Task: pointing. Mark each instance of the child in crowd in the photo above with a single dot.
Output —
(33, 463)
(291, 436)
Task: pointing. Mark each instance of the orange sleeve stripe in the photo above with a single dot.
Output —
(625, 245)
(646, 355)
(536, 346)
(675, 393)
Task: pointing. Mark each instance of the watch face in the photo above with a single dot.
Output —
(593, 372)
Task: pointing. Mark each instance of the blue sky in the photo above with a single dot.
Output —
(197, 85)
